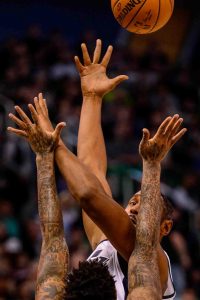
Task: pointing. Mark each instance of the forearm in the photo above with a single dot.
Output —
(91, 145)
(48, 203)
(54, 257)
(138, 267)
(143, 274)
(149, 217)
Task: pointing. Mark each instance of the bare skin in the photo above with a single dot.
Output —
(54, 256)
(92, 190)
(91, 150)
(94, 199)
(144, 275)
(92, 153)
(85, 187)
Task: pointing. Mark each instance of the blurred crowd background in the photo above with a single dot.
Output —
(38, 43)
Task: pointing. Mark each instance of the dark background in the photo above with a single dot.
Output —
(38, 40)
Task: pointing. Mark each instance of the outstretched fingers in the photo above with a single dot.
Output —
(37, 105)
(171, 125)
(86, 57)
(17, 121)
(162, 128)
(18, 132)
(97, 52)
(43, 104)
(79, 65)
(23, 116)
(176, 127)
(178, 136)
(33, 113)
(107, 56)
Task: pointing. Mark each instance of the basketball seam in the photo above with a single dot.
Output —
(135, 14)
(115, 5)
(156, 18)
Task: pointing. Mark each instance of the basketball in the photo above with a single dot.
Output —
(142, 16)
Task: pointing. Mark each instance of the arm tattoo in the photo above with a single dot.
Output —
(53, 264)
(143, 264)
(148, 229)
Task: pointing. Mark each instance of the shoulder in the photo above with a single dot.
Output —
(103, 249)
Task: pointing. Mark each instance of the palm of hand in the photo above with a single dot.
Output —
(153, 149)
(41, 141)
(95, 80)
(45, 123)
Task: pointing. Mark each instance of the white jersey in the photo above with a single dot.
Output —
(108, 255)
(170, 292)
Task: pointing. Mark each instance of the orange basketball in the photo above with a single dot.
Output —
(142, 16)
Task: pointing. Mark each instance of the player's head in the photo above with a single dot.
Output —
(133, 207)
(90, 281)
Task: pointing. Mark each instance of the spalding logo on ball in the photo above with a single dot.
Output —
(142, 16)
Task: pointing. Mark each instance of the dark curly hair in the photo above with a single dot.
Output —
(91, 281)
(167, 208)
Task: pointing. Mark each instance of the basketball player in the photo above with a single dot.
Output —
(91, 151)
(144, 278)
(52, 281)
(100, 207)
(90, 190)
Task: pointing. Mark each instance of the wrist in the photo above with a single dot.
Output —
(60, 145)
(151, 163)
(151, 172)
(44, 155)
(92, 95)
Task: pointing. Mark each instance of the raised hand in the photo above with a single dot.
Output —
(93, 73)
(41, 140)
(42, 112)
(156, 148)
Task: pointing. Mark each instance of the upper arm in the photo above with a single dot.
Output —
(52, 270)
(112, 219)
(93, 232)
(163, 267)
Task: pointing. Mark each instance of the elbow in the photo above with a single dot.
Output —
(84, 194)
(88, 196)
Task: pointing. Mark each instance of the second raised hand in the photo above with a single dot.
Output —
(156, 148)
(94, 79)
(40, 140)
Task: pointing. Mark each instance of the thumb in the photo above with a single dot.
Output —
(58, 129)
(146, 136)
(117, 80)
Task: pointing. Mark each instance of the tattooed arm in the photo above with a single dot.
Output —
(88, 191)
(144, 276)
(53, 264)
(144, 279)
